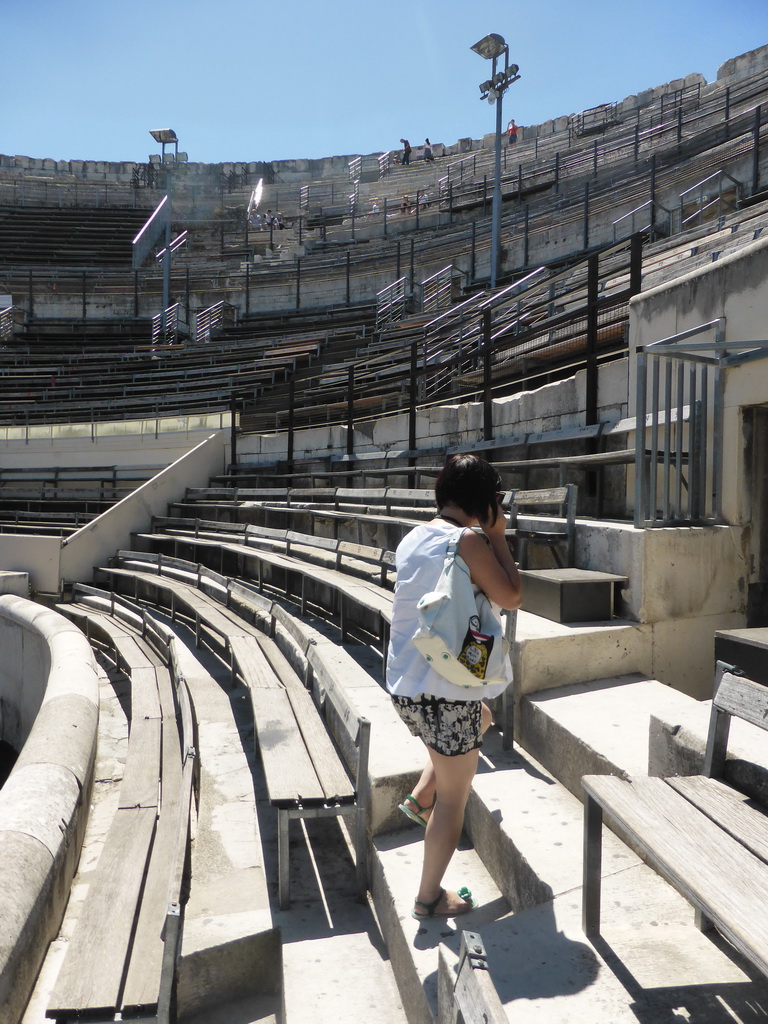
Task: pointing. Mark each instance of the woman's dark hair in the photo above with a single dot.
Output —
(471, 483)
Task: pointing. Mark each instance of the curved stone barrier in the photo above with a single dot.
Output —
(49, 710)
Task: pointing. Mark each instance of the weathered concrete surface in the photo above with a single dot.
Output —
(14, 583)
(49, 703)
(230, 947)
(597, 727)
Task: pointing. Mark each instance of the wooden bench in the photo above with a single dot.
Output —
(122, 956)
(553, 531)
(306, 774)
(354, 602)
(706, 838)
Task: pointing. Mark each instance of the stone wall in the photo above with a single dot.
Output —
(49, 709)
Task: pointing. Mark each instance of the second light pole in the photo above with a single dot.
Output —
(492, 47)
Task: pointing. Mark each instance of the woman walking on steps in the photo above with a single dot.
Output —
(449, 719)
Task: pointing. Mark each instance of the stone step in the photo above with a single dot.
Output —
(651, 963)
(523, 863)
(255, 1010)
(551, 654)
(600, 726)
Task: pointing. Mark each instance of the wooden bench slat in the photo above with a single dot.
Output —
(333, 778)
(743, 697)
(727, 807)
(712, 870)
(92, 971)
(145, 967)
(145, 700)
(287, 767)
(252, 663)
(142, 765)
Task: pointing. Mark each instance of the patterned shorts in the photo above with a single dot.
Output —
(449, 727)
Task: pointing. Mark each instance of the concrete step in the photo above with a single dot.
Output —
(600, 726)
(550, 654)
(523, 863)
(651, 963)
(255, 1010)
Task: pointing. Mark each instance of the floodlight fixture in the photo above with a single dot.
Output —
(490, 46)
(164, 135)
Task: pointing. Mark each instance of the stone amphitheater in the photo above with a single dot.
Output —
(214, 434)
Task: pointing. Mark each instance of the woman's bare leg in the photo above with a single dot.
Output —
(424, 790)
(453, 776)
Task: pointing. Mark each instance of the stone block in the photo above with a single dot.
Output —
(14, 583)
(678, 743)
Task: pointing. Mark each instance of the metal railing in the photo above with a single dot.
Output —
(386, 162)
(157, 223)
(708, 195)
(211, 321)
(391, 303)
(679, 432)
(355, 168)
(437, 291)
(9, 318)
(644, 218)
(167, 326)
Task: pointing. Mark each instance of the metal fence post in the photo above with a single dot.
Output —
(413, 396)
(487, 393)
(756, 153)
(350, 410)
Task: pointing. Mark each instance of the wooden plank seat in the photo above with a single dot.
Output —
(555, 532)
(706, 838)
(363, 560)
(121, 958)
(306, 773)
(171, 584)
(354, 602)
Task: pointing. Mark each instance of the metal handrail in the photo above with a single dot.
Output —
(212, 320)
(714, 201)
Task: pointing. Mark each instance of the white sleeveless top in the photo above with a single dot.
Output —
(419, 561)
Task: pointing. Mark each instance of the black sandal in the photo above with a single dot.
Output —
(429, 908)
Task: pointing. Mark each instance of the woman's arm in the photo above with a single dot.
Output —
(491, 565)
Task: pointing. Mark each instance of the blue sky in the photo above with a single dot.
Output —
(248, 80)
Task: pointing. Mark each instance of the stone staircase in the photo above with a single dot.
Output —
(522, 860)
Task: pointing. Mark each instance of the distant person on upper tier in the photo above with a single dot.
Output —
(279, 222)
(406, 157)
(512, 132)
(428, 151)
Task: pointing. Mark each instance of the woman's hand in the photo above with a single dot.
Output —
(497, 528)
(491, 565)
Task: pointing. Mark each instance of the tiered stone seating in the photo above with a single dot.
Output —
(585, 701)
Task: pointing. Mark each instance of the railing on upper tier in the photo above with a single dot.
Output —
(10, 318)
(650, 218)
(167, 326)
(391, 303)
(213, 320)
(439, 290)
(711, 195)
(679, 416)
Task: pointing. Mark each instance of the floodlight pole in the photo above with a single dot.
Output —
(496, 204)
(491, 47)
